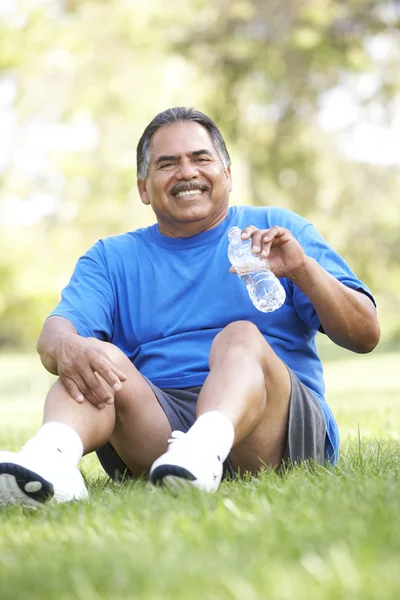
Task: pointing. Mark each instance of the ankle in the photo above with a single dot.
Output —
(58, 437)
(215, 430)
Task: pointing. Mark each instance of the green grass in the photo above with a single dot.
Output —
(311, 533)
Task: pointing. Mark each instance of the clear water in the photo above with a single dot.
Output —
(265, 290)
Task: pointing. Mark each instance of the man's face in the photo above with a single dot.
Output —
(187, 184)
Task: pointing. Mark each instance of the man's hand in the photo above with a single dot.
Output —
(283, 254)
(86, 371)
(347, 316)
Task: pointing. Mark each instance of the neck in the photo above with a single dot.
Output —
(187, 230)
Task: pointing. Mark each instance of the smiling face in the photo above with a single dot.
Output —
(187, 184)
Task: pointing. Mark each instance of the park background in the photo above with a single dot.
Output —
(307, 96)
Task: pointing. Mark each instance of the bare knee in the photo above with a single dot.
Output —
(113, 352)
(239, 333)
(134, 387)
(241, 338)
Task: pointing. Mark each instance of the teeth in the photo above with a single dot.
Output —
(188, 193)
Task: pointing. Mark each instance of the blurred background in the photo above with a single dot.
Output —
(305, 92)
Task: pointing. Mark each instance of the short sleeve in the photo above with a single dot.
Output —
(88, 299)
(315, 246)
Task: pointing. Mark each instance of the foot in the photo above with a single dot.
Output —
(35, 476)
(185, 464)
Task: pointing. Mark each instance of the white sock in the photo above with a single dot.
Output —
(214, 428)
(60, 438)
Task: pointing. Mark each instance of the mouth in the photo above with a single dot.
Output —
(188, 190)
(189, 193)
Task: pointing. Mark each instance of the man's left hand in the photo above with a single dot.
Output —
(283, 254)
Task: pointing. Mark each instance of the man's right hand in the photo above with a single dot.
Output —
(86, 370)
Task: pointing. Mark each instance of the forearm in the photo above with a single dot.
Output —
(348, 317)
(54, 330)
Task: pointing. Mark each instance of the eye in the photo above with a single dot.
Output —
(202, 159)
(168, 165)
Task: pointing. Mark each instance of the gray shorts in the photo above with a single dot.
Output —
(306, 427)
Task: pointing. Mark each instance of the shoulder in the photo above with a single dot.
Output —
(122, 243)
(114, 250)
(268, 216)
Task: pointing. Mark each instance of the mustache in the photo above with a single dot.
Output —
(187, 186)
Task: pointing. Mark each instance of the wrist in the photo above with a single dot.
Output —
(303, 274)
(50, 353)
(58, 343)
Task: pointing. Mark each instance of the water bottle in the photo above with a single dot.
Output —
(265, 290)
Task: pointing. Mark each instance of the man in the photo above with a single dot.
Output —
(164, 365)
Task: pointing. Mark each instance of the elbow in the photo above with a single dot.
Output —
(39, 346)
(41, 349)
(369, 340)
(46, 358)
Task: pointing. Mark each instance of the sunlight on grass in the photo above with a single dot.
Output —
(311, 533)
(363, 392)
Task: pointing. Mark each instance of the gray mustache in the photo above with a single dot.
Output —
(187, 186)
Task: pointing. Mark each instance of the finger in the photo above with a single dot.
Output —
(248, 231)
(266, 249)
(267, 235)
(266, 243)
(257, 236)
(95, 401)
(262, 237)
(115, 370)
(72, 389)
(122, 376)
(232, 270)
(80, 391)
(109, 371)
(80, 384)
(273, 236)
(109, 400)
(91, 397)
(257, 240)
(255, 233)
(90, 388)
(97, 391)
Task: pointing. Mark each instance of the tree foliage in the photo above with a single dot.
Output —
(88, 76)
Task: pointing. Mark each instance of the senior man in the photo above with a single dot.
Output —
(165, 368)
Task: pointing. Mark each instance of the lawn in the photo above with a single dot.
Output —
(311, 533)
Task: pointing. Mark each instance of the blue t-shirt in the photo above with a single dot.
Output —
(162, 300)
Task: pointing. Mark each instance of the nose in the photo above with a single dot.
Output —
(187, 170)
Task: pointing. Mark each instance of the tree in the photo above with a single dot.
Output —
(90, 75)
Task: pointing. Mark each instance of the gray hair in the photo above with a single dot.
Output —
(178, 114)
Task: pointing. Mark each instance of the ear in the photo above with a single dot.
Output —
(229, 177)
(142, 188)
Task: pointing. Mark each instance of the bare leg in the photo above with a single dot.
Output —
(247, 382)
(135, 425)
(251, 385)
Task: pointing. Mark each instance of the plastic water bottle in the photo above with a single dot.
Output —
(265, 290)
